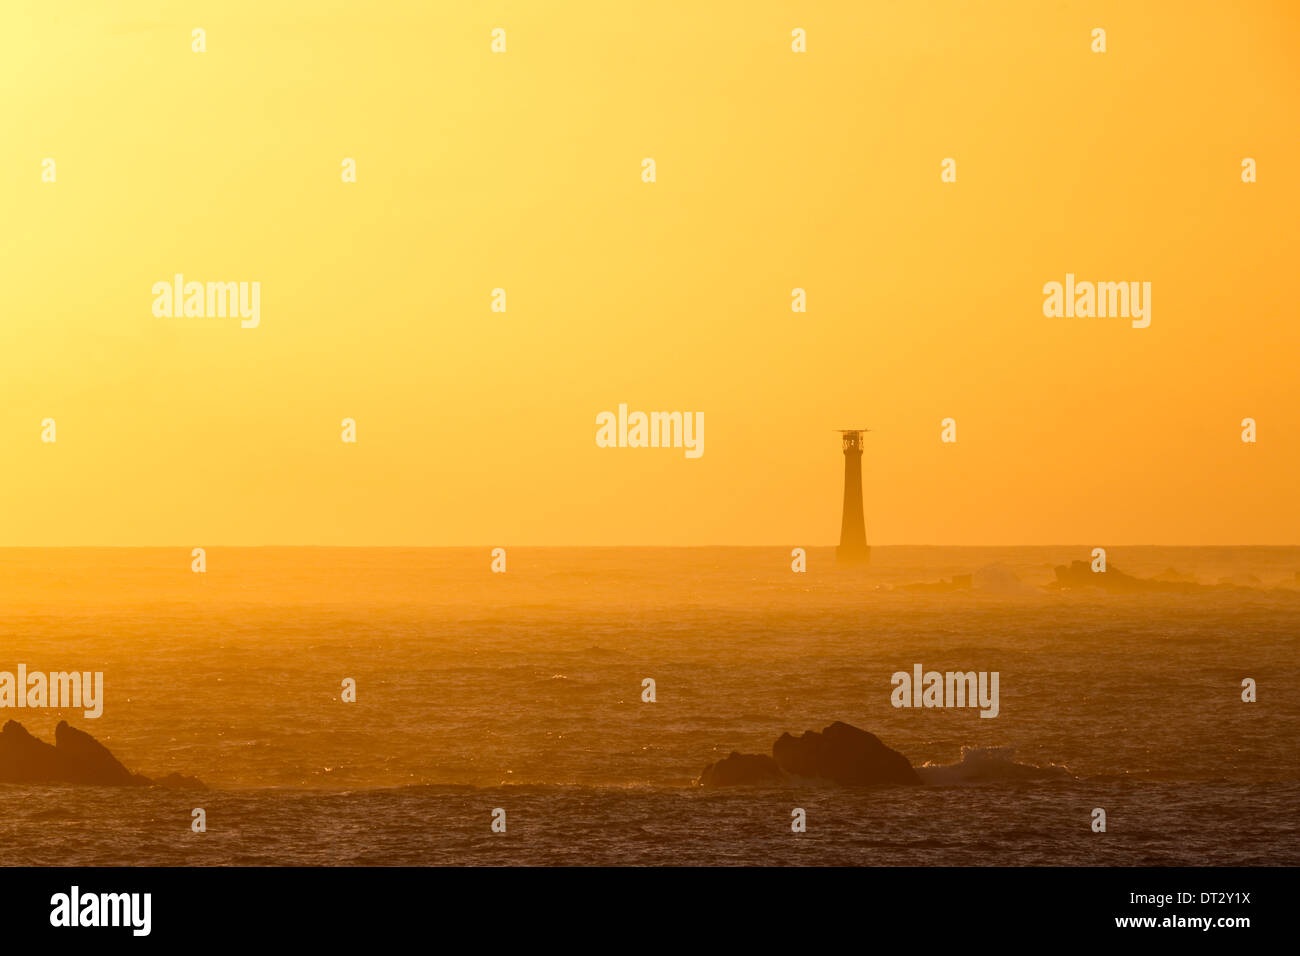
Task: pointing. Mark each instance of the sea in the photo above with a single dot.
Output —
(519, 698)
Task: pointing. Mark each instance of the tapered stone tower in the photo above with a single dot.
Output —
(853, 527)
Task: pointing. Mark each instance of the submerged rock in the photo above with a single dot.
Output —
(958, 582)
(178, 781)
(76, 758)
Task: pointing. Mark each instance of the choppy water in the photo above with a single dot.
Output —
(522, 691)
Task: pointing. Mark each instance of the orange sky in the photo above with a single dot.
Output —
(522, 171)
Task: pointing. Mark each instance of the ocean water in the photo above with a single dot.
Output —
(522, 691)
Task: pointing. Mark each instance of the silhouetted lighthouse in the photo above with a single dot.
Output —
(853, 529)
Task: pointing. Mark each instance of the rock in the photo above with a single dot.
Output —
(24, 759)
(76, 758)
(737, 769)
(841, 753)
(1080, 575)
(178, 781)
(844, 754)
(88, 761)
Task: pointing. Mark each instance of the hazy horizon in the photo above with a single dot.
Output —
(782, 544)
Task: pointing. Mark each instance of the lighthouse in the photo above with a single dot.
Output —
(853, 527)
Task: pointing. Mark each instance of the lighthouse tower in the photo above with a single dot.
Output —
(853, 528)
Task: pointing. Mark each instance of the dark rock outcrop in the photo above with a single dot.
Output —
(844, 754)
(75, 758)
(737, 769)
(841, 753)
(1080, 575)
(24, 759)
(86, 760)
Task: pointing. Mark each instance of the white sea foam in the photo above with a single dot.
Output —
(983, 764)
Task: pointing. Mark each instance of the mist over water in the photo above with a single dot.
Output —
(523, 690)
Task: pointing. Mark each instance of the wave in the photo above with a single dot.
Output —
(55, 813)
(984, 764)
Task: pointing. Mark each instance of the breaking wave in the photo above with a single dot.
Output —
(983, 764)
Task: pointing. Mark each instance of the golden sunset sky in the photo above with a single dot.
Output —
(522, 171)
